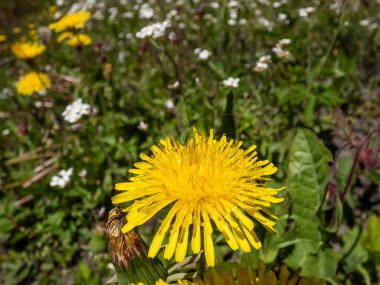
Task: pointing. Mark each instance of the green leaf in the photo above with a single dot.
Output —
(374, 177)
(309, 109)
(299, 251)
(355, 254)
(294, 94)
(371, 240)
(228, 126)
(344, 167)
(308, 177)
(322, 265)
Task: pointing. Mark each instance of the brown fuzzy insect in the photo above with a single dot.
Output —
(123, 247)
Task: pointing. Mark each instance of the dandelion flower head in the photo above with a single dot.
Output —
(79, 40)
(71, 21)
(74, 39)
(3, 38)
(33, 82)
(27, 50)
(204, 181)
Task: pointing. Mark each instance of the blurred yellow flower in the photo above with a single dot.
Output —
(75, 20)
(27, 50)
(79, 40)
(3, 38)
(74, 39)
(203, 180)
(16, 30)
(33, 34)
(64, 36)
(33, 82)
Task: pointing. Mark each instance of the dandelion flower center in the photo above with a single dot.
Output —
(204, 182)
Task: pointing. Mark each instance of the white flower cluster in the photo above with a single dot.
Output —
(279, 48)
(75, 111)
(231, 82)
(233, 5)
(155, 30)
(62, 178)
(263, 63)
(283, 18)
(304, 12)
(146, 12)
(265, 23)
(203, 54)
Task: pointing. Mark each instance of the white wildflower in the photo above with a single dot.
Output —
(82, 173)
(214, 5)
(62, 178)
(203, 54)
(243, 22)
(143, 126)
(281, 53)
(113, 11)
(172, 36)
(284, 42)
(75, 111)
(263, 63)
(169, 104)
(266, 23)
(304, 12)
(175, 85)
(231, 82)
(233, 4)
(155, 30)
(234, 14)
(231, 22)
(364, 22)
(146, 12)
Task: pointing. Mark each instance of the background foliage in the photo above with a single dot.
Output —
(314, 114)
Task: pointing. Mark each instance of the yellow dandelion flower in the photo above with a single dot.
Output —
(33, 82)
(74, 20)
(64, 36)
(3, 38)
(27, 50)
(79, 40)
(16, 30)
(32, 26)
(203, 180)
(33, 34)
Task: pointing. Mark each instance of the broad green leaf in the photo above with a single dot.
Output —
(308, 177)
(299, 251)
(322, 265)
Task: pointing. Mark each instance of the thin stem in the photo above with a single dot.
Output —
(354, 164)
